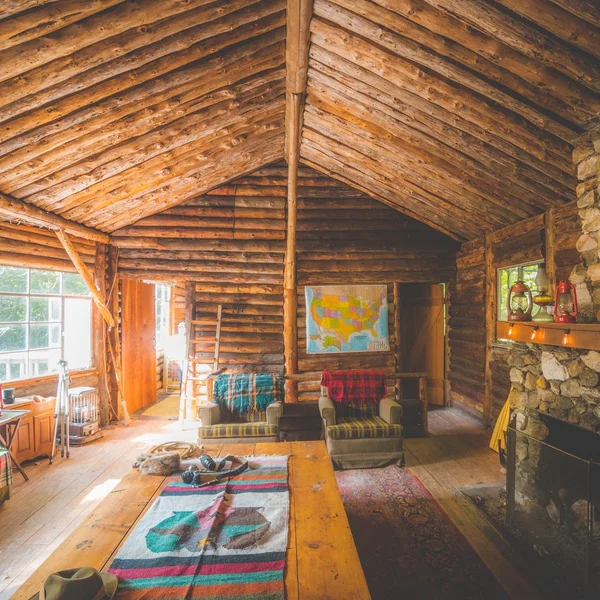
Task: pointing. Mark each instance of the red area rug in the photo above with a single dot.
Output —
(407, 545)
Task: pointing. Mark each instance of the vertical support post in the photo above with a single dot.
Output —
(112, 299)
(549, 247)
(398, 338)
(290, 293)
(186, 383)
(98, 328)
(490, 324)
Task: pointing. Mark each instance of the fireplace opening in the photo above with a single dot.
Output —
(553, 495)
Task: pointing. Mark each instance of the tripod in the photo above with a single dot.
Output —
(61, 411)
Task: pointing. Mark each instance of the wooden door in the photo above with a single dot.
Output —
(423, 322)
(138, 327)
(42, 431)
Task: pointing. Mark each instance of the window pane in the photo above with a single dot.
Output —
(16, 365)
(44, 309)
(42, 362)
(13, 337)
(39, 336)
(77, 332)
(13, 309)
(13, 279)
(507, 278)
(44, 282)
(73, 285)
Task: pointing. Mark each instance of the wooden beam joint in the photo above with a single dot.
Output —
(18, 210)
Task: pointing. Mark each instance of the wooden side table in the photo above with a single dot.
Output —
(421, 404)
(9, 421)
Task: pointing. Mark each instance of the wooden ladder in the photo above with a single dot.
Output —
(195, 385)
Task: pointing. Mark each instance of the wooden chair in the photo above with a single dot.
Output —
(218, 425)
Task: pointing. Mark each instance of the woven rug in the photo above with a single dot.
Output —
(226, 540)
(407, 545)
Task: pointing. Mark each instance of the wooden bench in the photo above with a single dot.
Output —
(322, 561)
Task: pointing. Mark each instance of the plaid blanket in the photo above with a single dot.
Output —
(355, 387)
(5, 468)
(243, 393)
(227, 540)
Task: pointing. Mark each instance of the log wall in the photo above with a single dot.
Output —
(567, 230)
(23, 245)
(466, 327)
(231, 243)
(346, 237)
(479, 373)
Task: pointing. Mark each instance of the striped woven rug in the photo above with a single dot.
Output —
(226, 540)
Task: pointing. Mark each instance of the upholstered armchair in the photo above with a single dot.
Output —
(361, 436)
(224, 421)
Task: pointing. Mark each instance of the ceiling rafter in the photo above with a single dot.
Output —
(460, 113)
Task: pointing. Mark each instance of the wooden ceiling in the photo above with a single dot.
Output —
(113, 110)
(460, 113)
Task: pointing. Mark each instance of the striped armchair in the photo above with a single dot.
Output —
(246, 407)
(362, 436)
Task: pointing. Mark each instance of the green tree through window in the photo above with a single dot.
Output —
(44, 316)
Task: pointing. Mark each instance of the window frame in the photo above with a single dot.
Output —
(500, 304)
(165, 314)
(28, 322)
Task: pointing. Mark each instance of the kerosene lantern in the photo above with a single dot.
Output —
(542, 298)
(519, 302)
(565, 303)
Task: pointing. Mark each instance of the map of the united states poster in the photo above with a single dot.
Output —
(346, 318)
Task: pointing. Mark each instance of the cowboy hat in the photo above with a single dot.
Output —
(84, 583)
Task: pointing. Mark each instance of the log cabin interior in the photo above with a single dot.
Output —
(349, 249)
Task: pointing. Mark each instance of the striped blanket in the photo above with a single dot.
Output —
(226, 540)
(5, 468)
(243, 393)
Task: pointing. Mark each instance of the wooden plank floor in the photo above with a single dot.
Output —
(44, 511)
(457, 454)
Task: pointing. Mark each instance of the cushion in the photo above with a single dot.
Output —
(356, 410)
(249, 417)
(353, 428)
(235, 430)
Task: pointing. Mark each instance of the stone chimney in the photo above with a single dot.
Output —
(586, 276)
(564, 382)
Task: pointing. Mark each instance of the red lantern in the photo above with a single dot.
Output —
(519, 302)
(565, 303)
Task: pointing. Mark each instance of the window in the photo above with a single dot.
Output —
(510, 275)
(162, 296)
(45, 316)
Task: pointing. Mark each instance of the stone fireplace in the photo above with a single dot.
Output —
(553, 481)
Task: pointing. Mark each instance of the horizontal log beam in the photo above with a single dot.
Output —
(17, 210)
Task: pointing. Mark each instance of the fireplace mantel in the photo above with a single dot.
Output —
(578, 335)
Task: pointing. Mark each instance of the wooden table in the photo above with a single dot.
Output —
(11, 420)
(322, 561)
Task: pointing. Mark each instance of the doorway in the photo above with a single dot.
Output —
(423, 334)
(138, 344)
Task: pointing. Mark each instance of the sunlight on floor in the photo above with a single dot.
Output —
(101, 491)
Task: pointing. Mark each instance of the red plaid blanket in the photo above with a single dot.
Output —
(355, 387)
